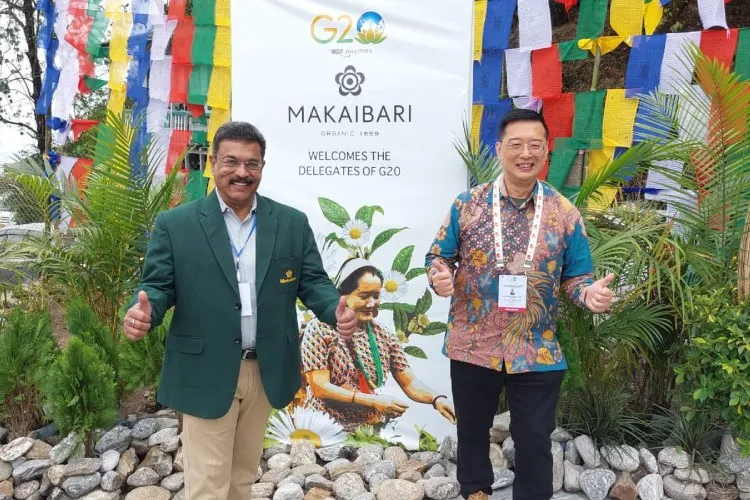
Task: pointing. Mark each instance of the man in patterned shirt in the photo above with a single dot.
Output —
(503, 253)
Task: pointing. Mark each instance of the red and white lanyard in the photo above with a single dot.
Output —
(498, 225)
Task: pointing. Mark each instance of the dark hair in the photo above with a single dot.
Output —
(241, 132)
(521, 115)
(352, 281)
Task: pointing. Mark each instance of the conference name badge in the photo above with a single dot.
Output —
(512, 292)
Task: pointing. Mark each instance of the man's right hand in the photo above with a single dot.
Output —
(138, 318)
(442, 279)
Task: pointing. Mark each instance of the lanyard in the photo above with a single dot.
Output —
(238, 253)
(498, 226)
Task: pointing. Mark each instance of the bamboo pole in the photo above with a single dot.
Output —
(743, 267)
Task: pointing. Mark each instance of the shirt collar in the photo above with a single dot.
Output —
(224, 207)
(504, 190)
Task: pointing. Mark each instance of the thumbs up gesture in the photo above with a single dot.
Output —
(442, 278)
(138, 318)
(598, 298)
(346, 320)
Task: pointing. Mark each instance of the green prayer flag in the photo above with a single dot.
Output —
(591, 17)
(570, 191)
(96, 35)
(742, 61)
(563, 156)
(196, 186)
(92, 9)
(569, 51)
(588, 117)
(200, 78)
(199, 126)
(203, 45)
(94, 84)
(203, 12)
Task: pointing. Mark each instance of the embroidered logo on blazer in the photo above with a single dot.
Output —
(289, 277)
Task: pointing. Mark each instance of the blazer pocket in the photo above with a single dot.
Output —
(284, 273)
(186, 345)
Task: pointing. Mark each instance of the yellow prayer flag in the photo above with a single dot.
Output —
(476, 122)
(480, 14)
(653, 11)
(223, 47)
(118, 45)
(626, 16)
(604, 196)
(211, 185)
(218, 118)
(221, 13)
(118, 70)
(619, 119)
(606, 44)
(220, 88)
(112, 8)
(207, 172)
(116, 101)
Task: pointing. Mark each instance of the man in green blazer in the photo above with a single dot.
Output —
(232, 265)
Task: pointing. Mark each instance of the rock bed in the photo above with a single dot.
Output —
(142, 460)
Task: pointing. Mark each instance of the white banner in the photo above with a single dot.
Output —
(361, 110)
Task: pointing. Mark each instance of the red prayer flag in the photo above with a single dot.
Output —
(178, 143)
(80, 172)
(719, 45)
(78, 7)
(176, 9)
(81, 126)
(196, 110)
(546, 72)
(179, 86)
(182, 41)
(78, 30)
(570, 3)
(558, 114)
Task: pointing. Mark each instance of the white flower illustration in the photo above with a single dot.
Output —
(305, 424)
(356, 233)
(395, 286)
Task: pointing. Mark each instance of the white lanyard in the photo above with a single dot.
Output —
(498, 224)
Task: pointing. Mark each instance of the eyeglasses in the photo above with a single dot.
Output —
(234, 164)
(535, 148)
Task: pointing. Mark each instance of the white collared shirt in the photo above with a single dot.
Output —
(238, 231)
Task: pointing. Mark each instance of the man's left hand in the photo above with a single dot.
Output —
(346, 320)
(598, 297)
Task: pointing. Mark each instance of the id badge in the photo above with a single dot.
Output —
(512, 293)
(246, 299)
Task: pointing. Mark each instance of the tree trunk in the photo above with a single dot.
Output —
(31, 34)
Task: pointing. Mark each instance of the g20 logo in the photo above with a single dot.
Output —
(370, 29)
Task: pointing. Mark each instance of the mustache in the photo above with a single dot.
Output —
(241, 179)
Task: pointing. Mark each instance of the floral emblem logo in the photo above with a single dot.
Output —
(350, 81)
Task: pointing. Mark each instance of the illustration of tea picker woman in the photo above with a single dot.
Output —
(344, 376)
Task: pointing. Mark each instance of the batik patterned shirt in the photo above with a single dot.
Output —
(323, 349)
(480, 333)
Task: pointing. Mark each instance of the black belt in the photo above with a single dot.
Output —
(249, 354)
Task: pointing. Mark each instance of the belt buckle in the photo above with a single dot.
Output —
(249, 354)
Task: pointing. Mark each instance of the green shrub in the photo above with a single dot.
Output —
(574, 376)
(140, 362)
(713, 374)
(602, 410)
(80, 391)
(27, 347)
(83, 322)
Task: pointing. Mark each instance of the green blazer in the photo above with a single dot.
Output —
(190, 265)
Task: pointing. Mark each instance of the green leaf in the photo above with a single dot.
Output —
(413, 273)
(435, 328)
(334, 212)
(334, 238)
(366, 213)
(402, 260)
(382, 238)
(400, 319)
(423, 304)
(392, 306)
(415, 351)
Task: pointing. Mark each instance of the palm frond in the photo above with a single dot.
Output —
(482, 163)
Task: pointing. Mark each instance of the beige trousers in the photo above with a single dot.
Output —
(221, 456)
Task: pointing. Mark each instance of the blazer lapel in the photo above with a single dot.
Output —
(215, 228)
(264, 241)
